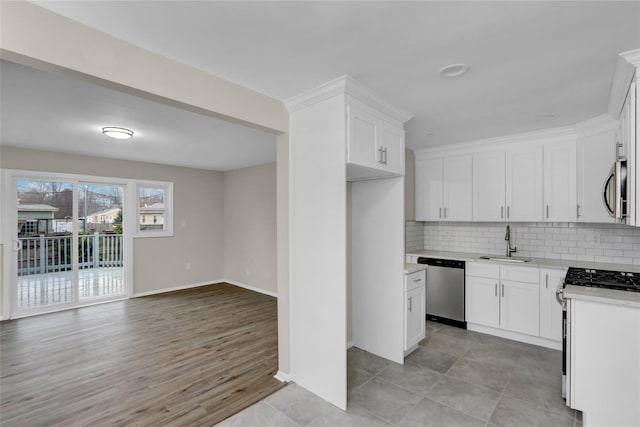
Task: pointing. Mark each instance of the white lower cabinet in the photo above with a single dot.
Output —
(550, 310)
(415, 309)
(482, 302)
(519, 307)
(508, 298)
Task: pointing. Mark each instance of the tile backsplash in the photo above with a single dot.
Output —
(612, 243)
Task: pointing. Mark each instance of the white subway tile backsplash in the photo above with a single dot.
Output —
(574, 241)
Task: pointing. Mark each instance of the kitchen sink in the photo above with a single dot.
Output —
(505, 259)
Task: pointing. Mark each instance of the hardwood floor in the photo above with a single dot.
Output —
(191, 357)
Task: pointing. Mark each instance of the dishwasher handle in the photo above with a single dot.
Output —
(438, 262)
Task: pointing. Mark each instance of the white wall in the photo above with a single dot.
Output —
(250, 226)
(612, 243)
(37, 37)
(160, 263)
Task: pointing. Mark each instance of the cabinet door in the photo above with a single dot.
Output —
(550, 310)
(458, 188)
(560, 190)
(391, 140)
(520, 307)
(362, 148)
(596, 154)
(482, 302)
(415, 317)
(524, 184)
(429, 189)
(488, 186)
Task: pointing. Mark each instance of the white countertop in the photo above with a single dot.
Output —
(608, 296)
(535, 262)
(605, 296)
(412, 268)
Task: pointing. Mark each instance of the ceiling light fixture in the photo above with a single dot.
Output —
(454, 70)
(117, 133)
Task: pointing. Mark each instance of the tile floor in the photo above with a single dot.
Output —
(455, 378)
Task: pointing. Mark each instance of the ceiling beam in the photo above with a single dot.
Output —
(36, 37)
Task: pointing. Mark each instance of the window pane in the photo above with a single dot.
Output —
(151, 208)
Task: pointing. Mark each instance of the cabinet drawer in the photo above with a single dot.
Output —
(483, 269)
(414, 280)
(520, 274)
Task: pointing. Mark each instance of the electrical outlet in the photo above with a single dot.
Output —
(596, 239)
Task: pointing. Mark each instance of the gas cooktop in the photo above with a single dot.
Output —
(618, 280)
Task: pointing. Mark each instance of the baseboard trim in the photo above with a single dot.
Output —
(350, 344)
(282, 377)
(176, 288)
(197, 285)
(543, 342)
(251, 288)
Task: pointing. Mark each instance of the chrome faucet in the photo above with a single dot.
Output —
(507, 237)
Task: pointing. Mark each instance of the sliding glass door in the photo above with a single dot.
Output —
(100, 241)
(45, 267)
(69, 244)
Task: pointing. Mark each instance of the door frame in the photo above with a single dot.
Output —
(8, 219)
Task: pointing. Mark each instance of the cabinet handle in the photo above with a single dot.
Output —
(496, 289)
(547, 211)
(410, 304)
(445, 212)
(546, 281)
(440, 213)
(503, 290)
(385, 155)
(501, 211)
(577, 211)
(380, 160)
(418, 279)
(507, 211)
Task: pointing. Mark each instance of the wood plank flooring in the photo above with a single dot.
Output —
(191, 357)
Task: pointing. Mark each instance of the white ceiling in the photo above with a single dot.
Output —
(60, 113)
(534, 64)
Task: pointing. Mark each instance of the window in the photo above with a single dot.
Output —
(155, 209)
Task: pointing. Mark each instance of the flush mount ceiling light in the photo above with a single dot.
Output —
(454, 70)
(117, 133)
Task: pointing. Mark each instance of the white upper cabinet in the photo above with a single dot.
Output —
(363, 130)
(489, 186)
(375, 147)
(391, 144)
(443, 188)
(596, 154)
(507, 184)
(560, 190)
(457, 203)
(524, 184)
(429, 189)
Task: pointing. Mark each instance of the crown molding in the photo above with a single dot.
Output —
(625, 70)
(345, 85)
(596, 125)
(546, 135)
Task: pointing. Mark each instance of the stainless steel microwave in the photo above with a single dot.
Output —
(614, 192)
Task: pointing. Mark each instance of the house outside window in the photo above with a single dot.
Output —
(155, 209)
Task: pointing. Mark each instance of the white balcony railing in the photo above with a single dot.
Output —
(51, 254)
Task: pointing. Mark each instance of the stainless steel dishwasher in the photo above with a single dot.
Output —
(445, 291)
